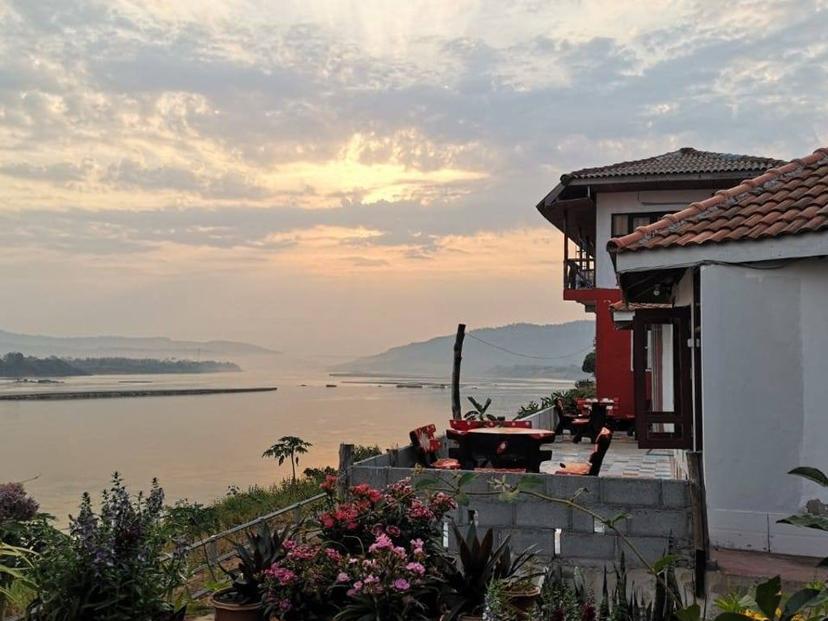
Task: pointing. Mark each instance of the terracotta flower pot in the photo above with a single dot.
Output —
(228, 611)
(524, 599)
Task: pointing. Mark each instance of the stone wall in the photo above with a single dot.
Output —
(659, 513)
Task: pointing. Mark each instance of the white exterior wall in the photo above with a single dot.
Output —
(608, 203)
(765, 401)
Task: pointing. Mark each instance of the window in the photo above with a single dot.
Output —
(626, 223)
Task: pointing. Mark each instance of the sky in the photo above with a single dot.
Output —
(340, 177)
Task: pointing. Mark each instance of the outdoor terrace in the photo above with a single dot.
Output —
(647, 486)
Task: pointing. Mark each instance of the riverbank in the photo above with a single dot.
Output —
(122, 394)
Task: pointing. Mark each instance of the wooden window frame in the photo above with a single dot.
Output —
(682, 414)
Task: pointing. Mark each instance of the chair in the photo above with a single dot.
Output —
(593, 467)
(427, 445)
(590, 425)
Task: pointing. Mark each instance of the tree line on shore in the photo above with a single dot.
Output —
(18, 365)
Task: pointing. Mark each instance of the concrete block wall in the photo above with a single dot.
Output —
(658, 514)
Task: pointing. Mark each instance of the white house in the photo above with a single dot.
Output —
(728, 299)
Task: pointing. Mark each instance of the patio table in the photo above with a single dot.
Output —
(519, 444)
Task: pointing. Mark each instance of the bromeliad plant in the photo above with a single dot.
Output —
(263, 548)
(479, 411)
(481, 562)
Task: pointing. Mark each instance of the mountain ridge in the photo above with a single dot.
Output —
(513, 350)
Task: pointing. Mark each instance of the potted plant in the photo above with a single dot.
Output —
(242, 600)
(481, 562)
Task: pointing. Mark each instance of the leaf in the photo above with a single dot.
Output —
(797, 601)
(465, 478)
(664, 562)
(422, 483)
(691, 613)
(733, 616)
(529, 483)
(768, 596)
(462, 499)
(812, 474)
(806, 520)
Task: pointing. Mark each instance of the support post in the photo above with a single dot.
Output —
(346, 461)
(456, 412)
(698, 502)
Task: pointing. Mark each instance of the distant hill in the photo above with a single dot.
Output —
(125, 346)
(15, 364)
(557, 349)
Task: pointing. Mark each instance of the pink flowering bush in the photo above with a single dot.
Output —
(391, 582)
(308, 583)
(396, 511)
(378, 556)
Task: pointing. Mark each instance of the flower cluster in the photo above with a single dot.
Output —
(302, 585)
(15, 504)
(397, 511)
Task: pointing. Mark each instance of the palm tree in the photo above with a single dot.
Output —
(288, 447)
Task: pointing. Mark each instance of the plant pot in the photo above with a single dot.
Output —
(228, 611)
(524, 599)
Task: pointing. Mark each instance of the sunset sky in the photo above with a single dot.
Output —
(340, 177)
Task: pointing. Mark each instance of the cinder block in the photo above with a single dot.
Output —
(659, 523)
(651, 548)
(500, 514)
(675, 493)
(545, 515)
(375, 477)
(398, 474)
(587, 489)
(541, 540)
(585, 523)
(583, 545)
(631, 492)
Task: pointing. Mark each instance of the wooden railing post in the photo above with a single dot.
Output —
(346, 461)
(698, 503)
(456, 412)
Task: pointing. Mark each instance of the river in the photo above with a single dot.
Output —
(197, 446)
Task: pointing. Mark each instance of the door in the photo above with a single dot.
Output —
(663, 378)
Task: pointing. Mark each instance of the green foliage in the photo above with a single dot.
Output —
(112, 565)
(240, 506)
(768, 601)
(528, 409)
(262, 548)
(479, 411)
(810, 520)
(362, 452)
(481, 562)
(288, 448)
(588, 365)
(15, 566)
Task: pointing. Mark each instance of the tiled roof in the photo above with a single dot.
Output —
(788, 200)
(685, 161)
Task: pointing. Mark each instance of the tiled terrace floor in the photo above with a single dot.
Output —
(623, 459)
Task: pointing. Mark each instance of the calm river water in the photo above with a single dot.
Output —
(199, 445)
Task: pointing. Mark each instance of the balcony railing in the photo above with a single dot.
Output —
(579, 273)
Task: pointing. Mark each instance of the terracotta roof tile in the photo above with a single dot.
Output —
(787, 200)
(684, 161)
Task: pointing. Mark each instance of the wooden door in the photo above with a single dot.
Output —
(663, 378)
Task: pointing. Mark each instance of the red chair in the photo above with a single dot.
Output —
(427, 445)
(593, 467)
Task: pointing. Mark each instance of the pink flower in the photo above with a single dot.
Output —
(282, 575)
(342, 577)
(401, 584)
(383, 542)
(393, 531)
(416, 568)
(333, 554)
